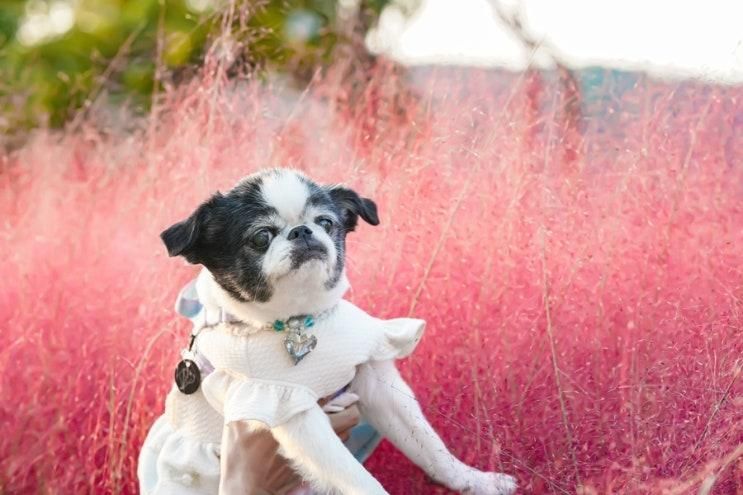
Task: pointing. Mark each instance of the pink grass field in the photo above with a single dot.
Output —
(581, 278)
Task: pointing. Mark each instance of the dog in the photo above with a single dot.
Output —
(276, 334)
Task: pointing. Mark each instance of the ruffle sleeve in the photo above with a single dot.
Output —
(242, 399)
(401, 336)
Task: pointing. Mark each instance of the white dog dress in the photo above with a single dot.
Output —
(255, 378)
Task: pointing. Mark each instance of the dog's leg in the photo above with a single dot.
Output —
(321, 458)
(389, 404)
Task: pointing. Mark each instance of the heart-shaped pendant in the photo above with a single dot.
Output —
(298, 345)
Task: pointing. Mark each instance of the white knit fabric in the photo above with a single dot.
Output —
(255, 379)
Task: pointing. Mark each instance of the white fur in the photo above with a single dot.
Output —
(277, 261)
(285, 191)
(389, 404)
(296, 295)
(317, 453)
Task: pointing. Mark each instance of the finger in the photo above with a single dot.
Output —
(346, 399)
(243, 454)
(346, 419)
(341, 402)
(281, 478)
(345, 434)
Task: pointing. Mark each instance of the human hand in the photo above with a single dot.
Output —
(251, 464)
(343, 413)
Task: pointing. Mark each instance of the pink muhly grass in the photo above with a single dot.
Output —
(582, 283)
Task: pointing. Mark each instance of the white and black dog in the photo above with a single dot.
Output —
(276, 335)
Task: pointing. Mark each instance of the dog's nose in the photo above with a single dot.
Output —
(302, 231)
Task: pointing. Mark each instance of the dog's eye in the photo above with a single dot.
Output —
(325, 223)
(261, 239)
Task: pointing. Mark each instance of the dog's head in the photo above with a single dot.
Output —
(273, 233)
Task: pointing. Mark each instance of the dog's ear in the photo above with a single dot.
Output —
(182, 238)
(352, 206)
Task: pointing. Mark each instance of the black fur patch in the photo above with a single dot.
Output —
(351, 206)
(214, 236)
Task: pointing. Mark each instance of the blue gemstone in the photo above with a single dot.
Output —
(278, 325)
(309, 321)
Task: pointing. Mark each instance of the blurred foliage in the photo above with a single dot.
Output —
(58, 56)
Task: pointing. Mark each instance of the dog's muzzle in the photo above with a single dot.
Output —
(305, 246)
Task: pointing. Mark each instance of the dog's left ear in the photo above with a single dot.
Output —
(352, 206)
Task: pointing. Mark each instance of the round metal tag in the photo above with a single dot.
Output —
(187, 376)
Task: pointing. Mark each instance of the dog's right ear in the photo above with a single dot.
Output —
(182, 238)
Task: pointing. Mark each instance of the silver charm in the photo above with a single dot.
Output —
(297, 343)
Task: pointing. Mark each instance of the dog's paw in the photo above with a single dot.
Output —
(491, 484)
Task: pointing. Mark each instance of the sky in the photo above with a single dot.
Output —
(667, 38)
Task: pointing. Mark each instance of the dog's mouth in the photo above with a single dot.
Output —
(306, 251)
